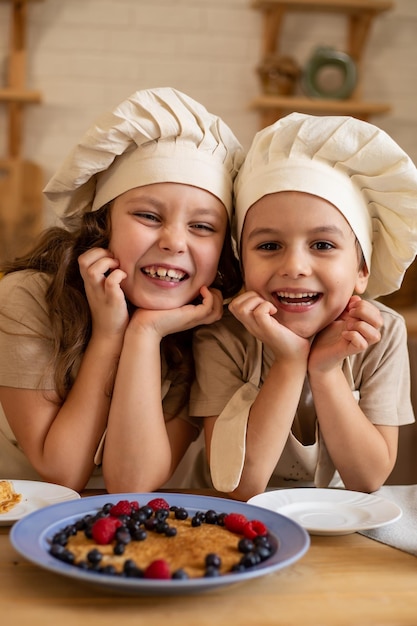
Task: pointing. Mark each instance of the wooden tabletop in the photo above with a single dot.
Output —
(340, 581)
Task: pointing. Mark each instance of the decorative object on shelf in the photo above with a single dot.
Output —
(279, 75)
(329, 73)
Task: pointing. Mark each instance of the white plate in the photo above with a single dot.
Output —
(330, 511)
(32, 535)
(35, 495)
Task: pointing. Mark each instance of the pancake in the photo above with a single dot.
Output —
(8, 496)
(164, 542)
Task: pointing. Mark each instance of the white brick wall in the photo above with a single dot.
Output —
(87, 55)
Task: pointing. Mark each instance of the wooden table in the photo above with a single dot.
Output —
(343, 580)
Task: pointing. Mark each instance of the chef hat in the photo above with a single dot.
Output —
(156, 135)
(353, 165)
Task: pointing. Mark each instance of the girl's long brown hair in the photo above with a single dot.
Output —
(56, 254)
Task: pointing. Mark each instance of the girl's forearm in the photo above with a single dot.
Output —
(69, 446)
(137, 451)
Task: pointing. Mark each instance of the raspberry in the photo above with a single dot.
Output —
(157, 569)
(235, 522)
(104, 529)
(158, 503)
(255, 528)
(123, 507)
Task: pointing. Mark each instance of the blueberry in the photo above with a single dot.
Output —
(245, 545)
(263, 552)
(123, 535)
(94, 556)
(151, 523)
(180, 574)
(250, 559)
(211, 517)
(211, 572)
(139, 535)
(119, 548)
(213, 560)
(108, 569)
(161, 527)
(60, 538)
(161, 514)
(180, 513)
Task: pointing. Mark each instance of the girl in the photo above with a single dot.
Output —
(308, 380)
(97, 317)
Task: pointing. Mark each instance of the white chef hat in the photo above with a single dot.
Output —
(156, 135)
(353, 165)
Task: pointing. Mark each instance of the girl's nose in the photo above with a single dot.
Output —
(173, 239)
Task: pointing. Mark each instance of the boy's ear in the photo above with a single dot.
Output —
(362, 280)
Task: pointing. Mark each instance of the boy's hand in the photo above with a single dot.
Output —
(356, 329)
(257, 315)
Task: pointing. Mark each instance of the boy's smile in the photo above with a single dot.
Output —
(300, 253)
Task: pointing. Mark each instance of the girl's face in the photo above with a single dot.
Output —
(300, 253)
(168, 238)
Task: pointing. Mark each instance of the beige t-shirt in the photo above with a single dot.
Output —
(231, 366)
(25, 356)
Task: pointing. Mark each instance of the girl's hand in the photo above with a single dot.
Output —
(257, 315)
(171, 321)
(102, 279)
(356, 329)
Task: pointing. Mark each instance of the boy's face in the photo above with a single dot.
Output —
(300, 253)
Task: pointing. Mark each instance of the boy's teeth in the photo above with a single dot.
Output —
(287, 294)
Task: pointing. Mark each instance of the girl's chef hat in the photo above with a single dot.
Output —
(156, 135)
(355, 166)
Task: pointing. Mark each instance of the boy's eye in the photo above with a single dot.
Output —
(269, 245)
(322, 245)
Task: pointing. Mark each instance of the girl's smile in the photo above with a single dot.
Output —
(165, 274)
(168, 239)
(299, 253)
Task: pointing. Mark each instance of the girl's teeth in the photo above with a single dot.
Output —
(162, 272)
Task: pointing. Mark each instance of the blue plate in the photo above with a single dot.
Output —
(31, 537)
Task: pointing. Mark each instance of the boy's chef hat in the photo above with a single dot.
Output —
(355, 166)
(156, 135)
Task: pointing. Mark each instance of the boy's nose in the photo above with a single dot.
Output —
(295, 263)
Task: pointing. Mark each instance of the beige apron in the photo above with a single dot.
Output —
(228, 444)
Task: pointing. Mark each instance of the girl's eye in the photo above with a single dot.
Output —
(203, 227)
(151, 217)
(322, 245)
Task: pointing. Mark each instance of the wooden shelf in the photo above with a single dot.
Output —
(272, 108)
(343, 6)
(20, 95)
(360, 15)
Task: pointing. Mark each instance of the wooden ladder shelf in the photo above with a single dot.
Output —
(21, 181)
